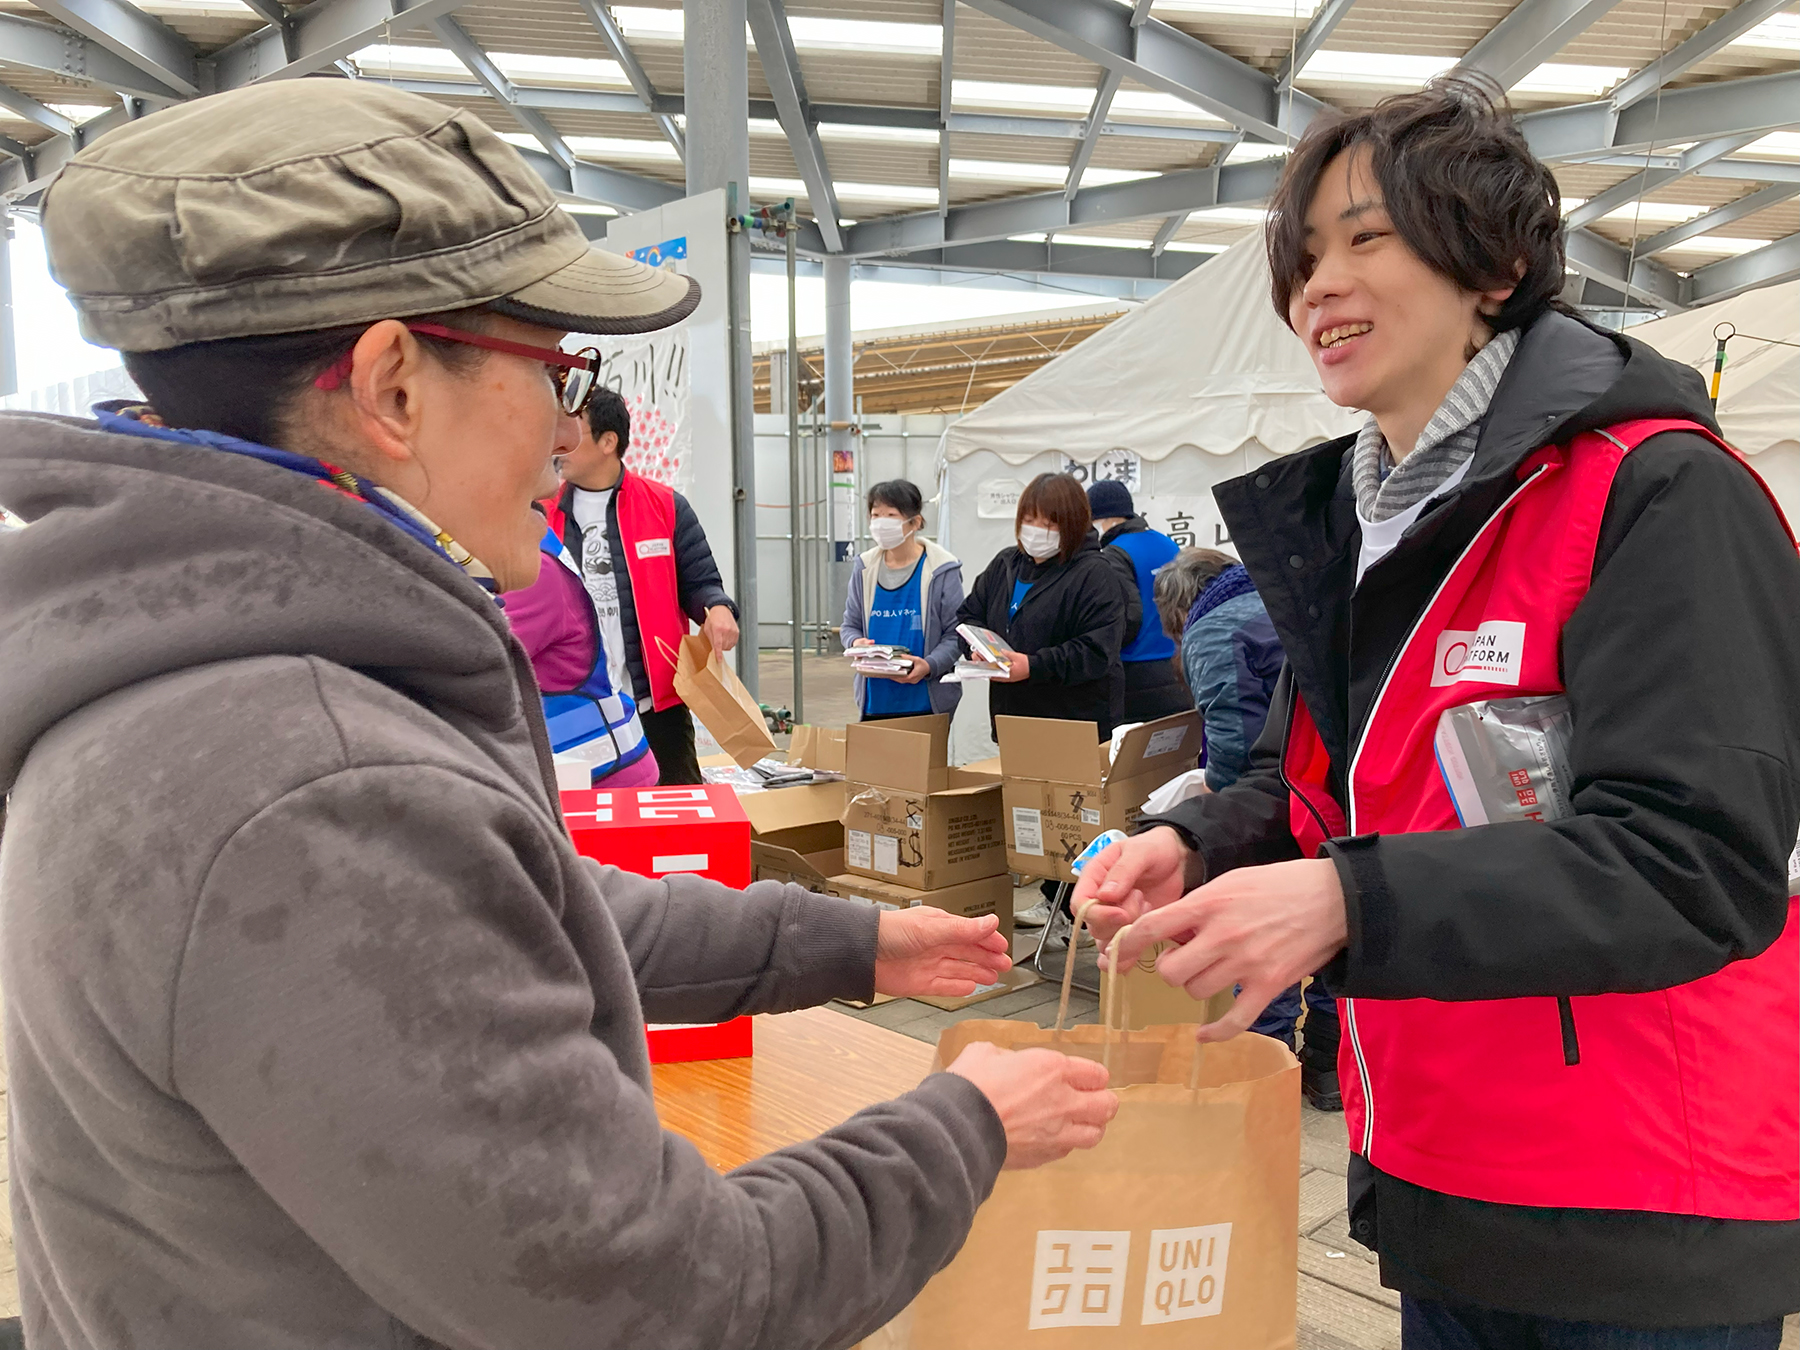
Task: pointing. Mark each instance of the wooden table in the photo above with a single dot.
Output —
(812, 1070)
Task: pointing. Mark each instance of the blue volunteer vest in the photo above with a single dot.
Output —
(596, 718)
(1148, 550)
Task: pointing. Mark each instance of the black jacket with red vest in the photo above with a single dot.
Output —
(1657, 917)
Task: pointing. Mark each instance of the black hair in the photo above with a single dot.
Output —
(606, 411)
(244, 386)
(1459, 183)
(900, 494)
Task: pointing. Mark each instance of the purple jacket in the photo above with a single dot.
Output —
(553, 620)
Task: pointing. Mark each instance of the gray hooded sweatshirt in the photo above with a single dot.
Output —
(319, 1032)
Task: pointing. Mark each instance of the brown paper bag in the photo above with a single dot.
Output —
(718, 698)
(1180, 1229)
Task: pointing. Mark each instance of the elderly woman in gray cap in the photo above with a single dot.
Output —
(319, 1031)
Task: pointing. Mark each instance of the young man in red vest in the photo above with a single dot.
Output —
(1571, 1037)
(647, 565)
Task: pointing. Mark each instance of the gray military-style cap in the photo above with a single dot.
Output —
(315, 203)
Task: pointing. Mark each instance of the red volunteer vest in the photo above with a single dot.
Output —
(1683, 1101)
(647, 533)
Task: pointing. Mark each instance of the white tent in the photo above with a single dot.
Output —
(1759, 399)
(1201, 384)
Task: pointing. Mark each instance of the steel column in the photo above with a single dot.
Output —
(715, 61)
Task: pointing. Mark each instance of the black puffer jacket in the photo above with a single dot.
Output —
(1071, 625)
(1683, 665)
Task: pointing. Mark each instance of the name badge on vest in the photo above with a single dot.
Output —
(1491, 654)
(654, 548)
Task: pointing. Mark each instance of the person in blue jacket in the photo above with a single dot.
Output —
(905, 592)
(1230, 658)
(1136, 551)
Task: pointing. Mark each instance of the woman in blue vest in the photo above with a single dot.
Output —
(904, 592)
(1152, 688)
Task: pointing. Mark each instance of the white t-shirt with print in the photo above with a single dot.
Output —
(589, 512)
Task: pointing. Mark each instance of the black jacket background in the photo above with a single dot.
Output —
(1683, 668)
(1071, 625)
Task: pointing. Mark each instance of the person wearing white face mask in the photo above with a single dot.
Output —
(1061, 606)
(904, 592)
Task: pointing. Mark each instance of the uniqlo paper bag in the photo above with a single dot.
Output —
(1179, 1230)
(712, 690)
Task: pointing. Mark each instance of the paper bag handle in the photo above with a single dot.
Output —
(1116, 990)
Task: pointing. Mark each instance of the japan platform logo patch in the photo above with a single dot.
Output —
(1491, 654)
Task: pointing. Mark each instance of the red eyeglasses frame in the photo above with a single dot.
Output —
(586, 359)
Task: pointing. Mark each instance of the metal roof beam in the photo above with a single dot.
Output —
(1613, 265)
(781, 67)
(1759, 200)
(1324, 23)
(595, 183)
(614, 37)
(41, 46)
(1728, 27)
(1057, 258)
(1163, 57)
(133, 36)
(17, 149)
(946, 90)
(1767, 266)
(939, 275)
(1103, 97)
(1646, 181)
(1529, 36)
(1040, 213)
(32, 111)
(319, 35)
(1165, 233)
(479, 64)
(22, 178)
(1700, 112)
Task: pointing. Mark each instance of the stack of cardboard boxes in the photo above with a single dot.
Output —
(918, 832)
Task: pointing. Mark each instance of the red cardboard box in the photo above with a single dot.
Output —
(659, 832)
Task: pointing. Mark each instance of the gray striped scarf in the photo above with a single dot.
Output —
(1444, 446)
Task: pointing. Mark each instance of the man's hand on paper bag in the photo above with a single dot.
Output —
(1133, 877)
(720, 628)
(1259, 927)
(1050, 1103)
(931, 953)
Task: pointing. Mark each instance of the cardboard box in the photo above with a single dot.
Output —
(908, 817)
(981, 771)
(817, 748)
(679, 1043)
(657, 832)
(772, 862)
(1060, 790)
(971, 899)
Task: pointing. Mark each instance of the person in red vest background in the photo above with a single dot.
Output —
(647, 565)
(1570, 985)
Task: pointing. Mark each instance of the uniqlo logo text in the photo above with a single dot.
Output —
(673, 804)
(1186, 1275)
(1078, 1278)
(1520, 777)
(1527, 797)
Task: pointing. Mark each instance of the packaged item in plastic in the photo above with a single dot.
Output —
(1507, 759)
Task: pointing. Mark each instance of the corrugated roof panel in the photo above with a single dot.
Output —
(1421, 29)
(542, 27)
(1259, 40)
(988, 49)
(869, 77)
(46, 87)
(1635, 32)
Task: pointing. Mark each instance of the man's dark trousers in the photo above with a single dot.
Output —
(671, 736)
